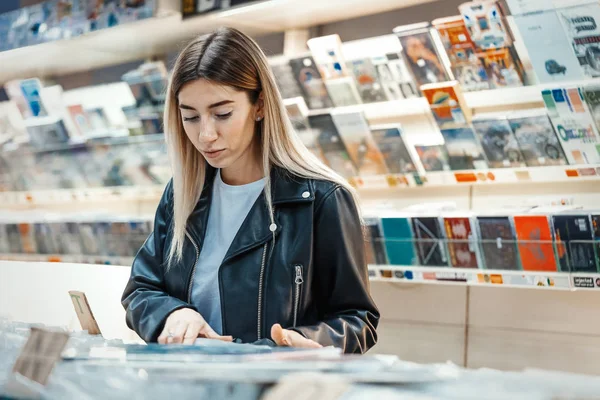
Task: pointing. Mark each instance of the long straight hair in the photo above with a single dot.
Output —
(229, 57)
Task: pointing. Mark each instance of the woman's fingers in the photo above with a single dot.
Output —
(175, 336)
(209, 333)
(285, 337)
(191, 334)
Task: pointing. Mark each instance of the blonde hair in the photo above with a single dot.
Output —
(231, 58)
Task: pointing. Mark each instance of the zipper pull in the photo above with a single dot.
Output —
(299, 280)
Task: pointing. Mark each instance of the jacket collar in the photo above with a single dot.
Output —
(256, 228)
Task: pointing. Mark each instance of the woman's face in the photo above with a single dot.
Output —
(219, 120)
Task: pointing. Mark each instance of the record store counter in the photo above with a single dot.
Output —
(81, 366)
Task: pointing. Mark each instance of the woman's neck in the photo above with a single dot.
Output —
(247, 169)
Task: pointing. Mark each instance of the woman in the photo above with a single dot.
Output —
(254, 238)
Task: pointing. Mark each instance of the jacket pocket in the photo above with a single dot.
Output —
(298, 281)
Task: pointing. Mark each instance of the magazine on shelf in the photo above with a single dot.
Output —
(434, 158)
(329, 57)
(447, 104)
(581, 23)
(462, 242)
(50, 132)
(401, 74)
(573, 235)
(574, 124)
(394, 78)
(596, 235)
(343, 91)
(485, 22)
(592, 97)
(31, 89)
(398, 238)
(14, 238)
(499, 142)
(421, 54)
(28, 245)
(503, 66)
(429, 241)
(464, 150)
(367, 80)
(332, 145)
(284, 77)
(308, 77)
(536, 138)
(466, 65)
(391, 143)
(498, 243)
(356, 135)
(374, 242)
(4, 242)
(549, 49)
(534, 240)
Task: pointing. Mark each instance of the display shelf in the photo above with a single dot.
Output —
(163, 33)
(524, 279)
(62, 258)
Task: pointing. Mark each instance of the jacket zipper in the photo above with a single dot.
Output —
(298, 281)
(260, 291)
(189, 292)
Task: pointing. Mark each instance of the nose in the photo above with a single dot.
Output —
(208, 132)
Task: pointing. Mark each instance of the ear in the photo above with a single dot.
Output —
(260, 107)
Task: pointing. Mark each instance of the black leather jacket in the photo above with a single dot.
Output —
(312, 279)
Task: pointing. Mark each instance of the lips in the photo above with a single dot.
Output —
(213, 153)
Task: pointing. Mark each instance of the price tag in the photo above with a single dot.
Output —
(84, 313)
(40, 354)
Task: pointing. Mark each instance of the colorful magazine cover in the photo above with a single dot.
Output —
(461, 246)
(592, 97)
(308, 77)
(284, 76)
(429, 241)
(581, 23)
(574, 124)
(343, 92)
(464, 151)
(400, 72)
(447, 104)
(374, 242)
(433, 158)
(498, 243)
(485, 22)
(573, 236)
(367, 81)
(549, 49)
(361, 147)
(535, 244)
(499, 142)
(421, 55)
(332, 145)
(31, 89)
(468, 69)
(328, 55)
(503, 67)
(391, 143)
(27, 232)
(537, 139)
(397, 85)
(399, 241)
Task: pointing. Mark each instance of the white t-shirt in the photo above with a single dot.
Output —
(228, 210)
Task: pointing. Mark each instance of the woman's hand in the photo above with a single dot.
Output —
(285, 337)
(185, 326)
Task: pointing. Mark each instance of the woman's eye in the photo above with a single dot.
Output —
(224, 116)
(190, 119)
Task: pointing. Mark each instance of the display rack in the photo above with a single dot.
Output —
(74, 259)
(139, 40)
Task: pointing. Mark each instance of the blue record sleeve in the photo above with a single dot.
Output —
(399, 241)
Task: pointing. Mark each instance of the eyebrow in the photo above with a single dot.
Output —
(220, 103)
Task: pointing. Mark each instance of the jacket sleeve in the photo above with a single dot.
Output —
(145, 300)
(348, 314)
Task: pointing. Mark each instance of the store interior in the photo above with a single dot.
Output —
(470, 131)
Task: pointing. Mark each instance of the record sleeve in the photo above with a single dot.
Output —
(447, 104)
(499, 142)
(284, 77)
(328, 55)
(369, 87)
(45, 240)
(31, 89)
(88, 237)
(4, 242)
(374, 242)
(343, 92)
(305, 133)
(429, 241)
(79, 116)
(69, 238)
(596, 235)
(434, 158)
(537, 139)
(401, 74)
(581, 23)
(592, 97)
(48, 134)
(14, 239)
(421, 55)
(461, 246)
(334, 150)
(464, 151)
(536, 249)
(391, 143)
(394, 77)
(398, 241)
(503, 67)
(574, 125)
(362, 149)
(310, 81)
(499, 243)
(549, 49)
(485, 22)
(573, 236)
